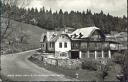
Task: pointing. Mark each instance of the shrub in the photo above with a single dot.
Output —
(125, 66)
(118, 58)
(104, 69)
(89, 65)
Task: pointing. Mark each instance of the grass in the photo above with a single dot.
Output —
(84, 75)
(115, 69)
(4, 78)
(33, 32)
(52, 67)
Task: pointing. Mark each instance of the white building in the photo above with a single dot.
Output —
(83, 43)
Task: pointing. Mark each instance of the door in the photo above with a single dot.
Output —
(75, 55)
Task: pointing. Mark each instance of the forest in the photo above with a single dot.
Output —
(47, 19)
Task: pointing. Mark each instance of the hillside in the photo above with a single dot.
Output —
(29, 34)
(33, 31)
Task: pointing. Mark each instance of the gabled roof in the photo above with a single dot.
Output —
(51, 36)
(84, 32)
(78, 34)
(54, 38)
(42, 37)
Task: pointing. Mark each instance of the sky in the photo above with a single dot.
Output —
(113, 7)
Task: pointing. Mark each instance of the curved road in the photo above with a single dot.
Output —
(17, 68)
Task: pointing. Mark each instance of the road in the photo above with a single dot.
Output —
(18, 68)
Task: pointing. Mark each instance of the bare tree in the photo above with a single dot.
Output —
(7, 25)
(8, 28)
(123, 76)
(125, 66)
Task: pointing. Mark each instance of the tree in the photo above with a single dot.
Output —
(125, 66)
(123, 61)
(88, 19)
(10, 13)
(103, 71)
(61, 18)
(48, 19)
(11, 7)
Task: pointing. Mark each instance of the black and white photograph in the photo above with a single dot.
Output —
(63, 40)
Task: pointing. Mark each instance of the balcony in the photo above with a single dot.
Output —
(84, 46)
(75, 46)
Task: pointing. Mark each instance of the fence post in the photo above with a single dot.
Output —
(56, 62)
(77, 75)
(44, 63)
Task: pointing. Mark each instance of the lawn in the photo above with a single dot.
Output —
(82, 74)
(17, 29)
(34, 32)
(115, 69)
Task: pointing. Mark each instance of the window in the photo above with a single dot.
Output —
(84, 45)
(106, 54)
(92, 54)
(62, 36)
(60, 45)
(75, 45)
(99, 54)
(50, 44)
(65, 45)
(91, 46)
(99, 46)
(42, 45)
(53, 44)
(63, 54)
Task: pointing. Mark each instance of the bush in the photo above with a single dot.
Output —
(125, 65)
(102, 73)
(118, 58)
(90, 65)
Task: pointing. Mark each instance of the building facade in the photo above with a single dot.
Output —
(82, 43)
(62, 46)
